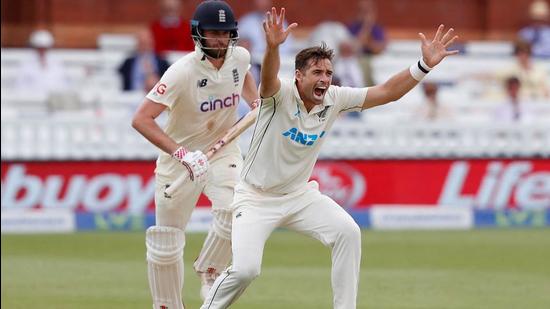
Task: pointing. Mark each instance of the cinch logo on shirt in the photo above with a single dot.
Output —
(303, 138)
(213, 104)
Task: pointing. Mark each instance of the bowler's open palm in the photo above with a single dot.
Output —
(435, 51)
(275, 34)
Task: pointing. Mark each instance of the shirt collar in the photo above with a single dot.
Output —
(199, 54)
(316, 108)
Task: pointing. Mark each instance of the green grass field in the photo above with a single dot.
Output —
(466, 269)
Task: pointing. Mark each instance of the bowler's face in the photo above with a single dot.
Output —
(314, 82)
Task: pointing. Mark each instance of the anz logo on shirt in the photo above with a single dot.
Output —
(303, 138)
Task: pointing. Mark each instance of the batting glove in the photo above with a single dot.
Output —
(196, 163)
(255, 103)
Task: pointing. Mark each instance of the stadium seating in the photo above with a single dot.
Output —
(95, 124)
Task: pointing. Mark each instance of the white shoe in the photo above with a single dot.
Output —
(207, 280)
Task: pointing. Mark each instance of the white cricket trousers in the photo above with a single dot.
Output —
(223, 175)
(256, 214)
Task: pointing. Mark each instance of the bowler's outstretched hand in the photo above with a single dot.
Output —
(435, 51)
(275, 34)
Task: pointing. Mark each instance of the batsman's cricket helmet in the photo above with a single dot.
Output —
(213, 15)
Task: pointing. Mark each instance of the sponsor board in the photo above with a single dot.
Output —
(200, 221)
(512, 218)
(361, 217)
(38, 221)
(498, 185)
(380, 218)
(113, 221)
(66, 221)
(481, 184)
(345, 184)
(418, 217)
(128, 186)
(95, 187)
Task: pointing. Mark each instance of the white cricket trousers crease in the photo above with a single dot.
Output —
(256, 215)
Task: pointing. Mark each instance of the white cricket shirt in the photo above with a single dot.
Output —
(287, 139)
(202, 101)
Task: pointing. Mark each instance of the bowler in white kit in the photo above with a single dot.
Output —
(293, 121)
(201, 92)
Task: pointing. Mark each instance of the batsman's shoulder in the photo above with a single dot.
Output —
(183, 62)
(182, 66)
(241, 54)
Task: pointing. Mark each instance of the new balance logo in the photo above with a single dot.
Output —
(202, 83)
(303, 138)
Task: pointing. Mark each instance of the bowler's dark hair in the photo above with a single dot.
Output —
(316, 53)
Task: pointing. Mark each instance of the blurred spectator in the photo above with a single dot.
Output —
(349, 73)
(538, 31)
(370, 35)
(251, 35)
(533, 77)
(347, 65)
(43, 73)
(143, 69)
(432, 110)
(171, 31)
(333, 33)
(513, 110)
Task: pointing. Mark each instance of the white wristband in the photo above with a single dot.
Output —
(419, 69)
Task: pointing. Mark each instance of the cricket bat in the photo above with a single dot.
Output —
(239, 127)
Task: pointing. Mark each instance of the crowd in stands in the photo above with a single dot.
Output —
(369, 35)
(143, 69)
(533, 77)
(251, 35)
(513, 109)
(42, 72)
(357, 44)
(171, 31)
(537, 33)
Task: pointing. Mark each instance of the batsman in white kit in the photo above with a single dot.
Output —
(201, 93)
(292, 124)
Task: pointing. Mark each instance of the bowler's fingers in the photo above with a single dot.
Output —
(451, 52)
(439, 33)
(273, 16)
(269, 19)
(451, 41)
(423, 38)
(290, 27)
(281, 17)
(266, 26)
(447, 36)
